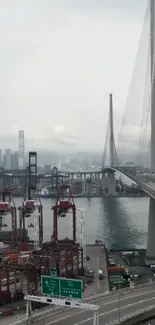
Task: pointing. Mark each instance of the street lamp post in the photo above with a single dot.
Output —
(98, 280)
(82, 232)
(119, 297)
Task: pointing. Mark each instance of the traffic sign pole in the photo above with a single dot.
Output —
(96, 318)
(66, 303)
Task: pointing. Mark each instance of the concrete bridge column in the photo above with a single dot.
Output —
(150, 254)
(104, 180)
(83, 183)
(88, 186)
(99, 179)
(83, 187)
(111, 183)
(96, 180)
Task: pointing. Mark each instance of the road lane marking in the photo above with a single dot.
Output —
(65, 317)
(111, 311)
(128, 297)
(101, 303)
(102, 314)
(88, 319)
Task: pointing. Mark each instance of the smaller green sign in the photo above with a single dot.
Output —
(53, 272)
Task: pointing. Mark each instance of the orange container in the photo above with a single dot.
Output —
(116, 269)
(14, 259)
(8, 252)
(14, 256)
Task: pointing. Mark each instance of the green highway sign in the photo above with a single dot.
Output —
(62, 287)
(53, 272)
(50, 286)
(71, 288)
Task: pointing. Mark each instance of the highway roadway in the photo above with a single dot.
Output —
(108, 311)
(151, 185)
(97, 262)
(110, 308)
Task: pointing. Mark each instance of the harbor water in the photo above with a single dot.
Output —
(118, 222)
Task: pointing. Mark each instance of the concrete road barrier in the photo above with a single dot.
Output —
(137, 317)
(131, 319)
(140, 316)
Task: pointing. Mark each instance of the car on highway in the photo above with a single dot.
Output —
(100, 275)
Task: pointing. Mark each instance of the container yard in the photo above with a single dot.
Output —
(22, 259)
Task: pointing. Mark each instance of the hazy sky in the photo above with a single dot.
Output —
(59, 60)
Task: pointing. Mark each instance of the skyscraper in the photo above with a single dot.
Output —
(14, 161)
(7, 163)
(1, 158)
(21, 149)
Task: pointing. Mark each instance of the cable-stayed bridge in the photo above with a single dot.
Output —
(136, 139)
(133, 155)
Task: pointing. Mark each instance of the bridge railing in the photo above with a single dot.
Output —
(141, 315)
(135, 318)
(145, 187)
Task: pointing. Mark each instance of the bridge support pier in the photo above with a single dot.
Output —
(104, 181)
(111, 183)
(150, 253)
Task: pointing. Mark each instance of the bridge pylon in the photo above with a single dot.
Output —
(150, 253)
(111, 148)
(113, 153)
(110, 158)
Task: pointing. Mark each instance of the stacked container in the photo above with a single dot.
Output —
(23, 258)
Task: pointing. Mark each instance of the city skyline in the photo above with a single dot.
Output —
(59, 62)
(18, 159)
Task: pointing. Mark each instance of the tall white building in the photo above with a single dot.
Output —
(1, 158)
(21, 149)
(7, 164)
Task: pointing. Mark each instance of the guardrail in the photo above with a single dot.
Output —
(144, 187)
(131, 319)
(142, 315)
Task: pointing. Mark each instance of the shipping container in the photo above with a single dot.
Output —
(24, 247)
(4, 206)
(23, 259)
(116, 269)
(13, 259)
(8, 252)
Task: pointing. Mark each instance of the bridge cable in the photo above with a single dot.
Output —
(133, 88)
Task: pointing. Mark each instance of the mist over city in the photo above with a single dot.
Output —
(77, 162)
